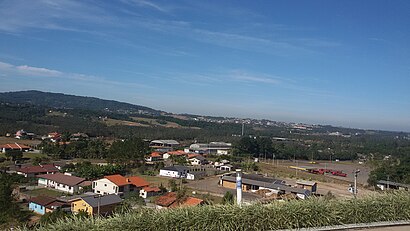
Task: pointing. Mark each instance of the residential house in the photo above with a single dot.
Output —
(170, 200)
(119, 185)
(149, 192)
(44, 204)
(14, 147)
(32, 171)
(226, 167)
(197, 160)
(62, 182)
(101, 205)
(176, 171)
(78, 136)
(153, 157)
(174, 153)
(309, 185)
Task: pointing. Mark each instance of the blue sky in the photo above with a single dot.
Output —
(329, 62)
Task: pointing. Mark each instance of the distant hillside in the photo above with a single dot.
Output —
(59, 100)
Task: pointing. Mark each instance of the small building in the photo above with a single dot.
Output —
(62, 182)
(14, 147)
(226, 167)
(164, 144)
(198, 160)
(176, 171)
(118, 185)
(174, 153)
(101, 205)
(170, 200)
(44, 204)
(385, 185)
(218, 148)
(32, 171)
(154, 157)
(309, 185)
(149, 192)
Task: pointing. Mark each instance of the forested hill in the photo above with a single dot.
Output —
(59, 100)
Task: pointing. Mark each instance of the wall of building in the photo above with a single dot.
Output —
(104, 186)
(79, 205)
(37, 208)
(168, 173)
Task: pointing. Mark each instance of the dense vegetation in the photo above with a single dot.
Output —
(315, 212)
(395, 170)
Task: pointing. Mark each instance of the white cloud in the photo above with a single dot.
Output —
(10, 70)
(148, 4)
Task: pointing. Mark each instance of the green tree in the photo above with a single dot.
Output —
(228, 198)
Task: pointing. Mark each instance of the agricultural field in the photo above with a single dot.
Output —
(10, 140)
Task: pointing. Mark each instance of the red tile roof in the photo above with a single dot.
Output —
(152, 189)
(14, 146)
(156, 154)
(63, 179)
(176, 153)
(167, 199)
(38, 169)
(121, 180)
(192, 155)
(170, 200)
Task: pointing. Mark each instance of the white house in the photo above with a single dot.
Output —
(197, 160)
(176, 171)
(119, 185)
(62, 182)
(149, 192)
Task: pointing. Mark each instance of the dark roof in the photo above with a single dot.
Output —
(38, 169)
(265, 182)
(199, 157)
(63, 179)
(93, 201)
(385, 182)
(177, 168)
(253, 179)
(43, 200)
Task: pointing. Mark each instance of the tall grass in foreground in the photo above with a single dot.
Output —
(278, 215)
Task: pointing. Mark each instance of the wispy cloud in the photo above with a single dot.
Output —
(148, 4)
(10, 71)
(252, 78)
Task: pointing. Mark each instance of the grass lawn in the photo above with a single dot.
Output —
(156, 180)
(44, 192)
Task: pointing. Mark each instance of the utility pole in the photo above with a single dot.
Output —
(388, 182)
(355, 183)
(98, 204)
(243, 129)
(239, 186)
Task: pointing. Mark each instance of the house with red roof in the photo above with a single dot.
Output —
(149, 191)
(32, 171)
(170, 200)
(119, 185)
(14, 147)
(153, 157)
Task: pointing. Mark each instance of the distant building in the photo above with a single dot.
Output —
(101, 205)
(170, 200)
(164, 144)
(149, 192)
(309, 185)
(175, 171)
(218, 148)
(32, 171)
(44, 204)
(14, 147)
(198, 160)
(119, 185)
(384, 185)
(62, 182)
(253, 183)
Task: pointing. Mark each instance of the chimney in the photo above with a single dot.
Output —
(128, 180)
(239, 187)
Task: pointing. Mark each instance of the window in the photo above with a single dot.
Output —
(105, 185)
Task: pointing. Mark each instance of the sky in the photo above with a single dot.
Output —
(344, 63)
